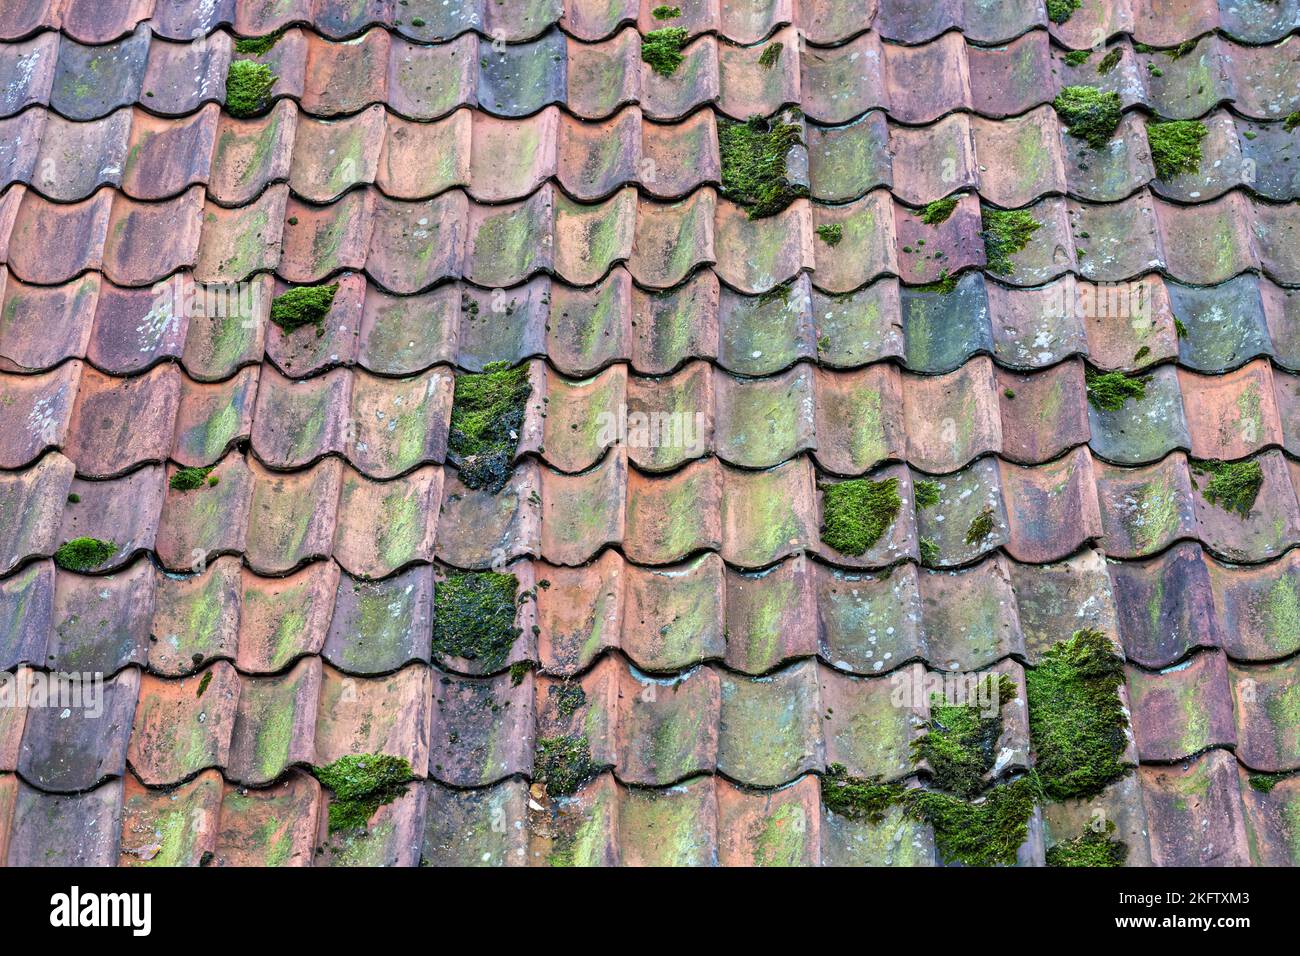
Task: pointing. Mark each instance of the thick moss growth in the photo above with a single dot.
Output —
(857, 798)
(1291, 122)
(1110, 61)
(1265, 782)
(474, 618)
(563, 764)
(361, 785)
(926, 493)
(662, 49)
(767, 59)
(1176, 147)
(938, 211)
(248, 88)
(569, 699)
(1091, 114)
(1077, 58)
(305, 305)
(1076, 720)
(487, 415)
(256, 46)
(1058, 11)
(753, 164)
(519, 670)
(1109, 392)
(665, 12)
(1233, 487)
(981, 526)
(189, 479)
(1005, 233)
(830, 233)
(984, 833)
(857, 513)
(930, 553)
(960, 742)
(1093, 848)
(83, 554)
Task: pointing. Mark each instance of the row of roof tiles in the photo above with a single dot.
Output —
(1157, 22)
(279, 521)
(594, 81)
(152, 158)
(663, 619)
(408, 247)
(850, 421)
(215, 331)
(1203, 812)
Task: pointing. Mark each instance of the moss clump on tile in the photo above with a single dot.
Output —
(83, 554)
(1232, 486)
(189, 479)
(662, 49)
(1092, 848)
(987, 832)
(519, 670)
(938, 211)
(946, 284)
(1265, 782)
(361, 784)
(857, 513)
(487, 415)
(981, 526)
(1076, 719)
(203, 684)
(563, 764)
(1110, 391)
(1089, 113)
(767, 59)
(960, 742)
(1006, 232)
(1109, 61)
(665, 12)
(858, 798)
(926, 493)
(305, 305)
(1058, 11)
(930, 553)
(474, 618)
(248, 88)
(830, 233)
(754, 171)
(1291, 122)
(257, 46)
(1176, 146)
(569, 699)
(1077, 58)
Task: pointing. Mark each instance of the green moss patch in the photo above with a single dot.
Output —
(203, 684)
(860, 799)
(474, 617)
(569, 699)
(926, 493)
(662, 49)
(930, 553)
(1110, 61)
(1176, 146)
(1005, 233)
(248, 88)
(1089, 113)
(767, 59)
(857, 513)
(1076, 719)
(830, 233)
(1093, 848)
(305, 305)
(665, 12)
(563, 764)
(361, 785)
(1232, 486)
(1110, 391)
(189, 479)
(487, 415)
(960, 742)
(258, 46)
(84, 554)
(983, 833)
(1058, 11)
(1077, 58)
(938, 211)
(519, 670)
(754, 171)
(1291, 122)
(981, 526)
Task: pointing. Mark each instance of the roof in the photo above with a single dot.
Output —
(785, 432)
